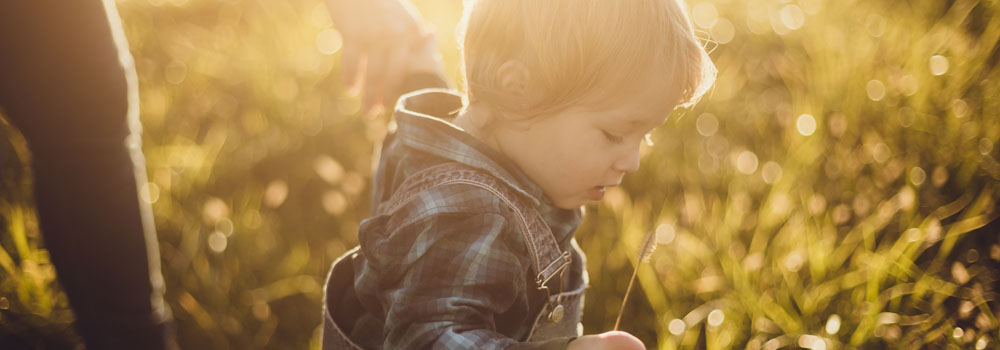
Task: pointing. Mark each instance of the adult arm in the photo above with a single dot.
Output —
(387, 49)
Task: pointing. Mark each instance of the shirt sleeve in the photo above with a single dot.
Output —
(447, 276)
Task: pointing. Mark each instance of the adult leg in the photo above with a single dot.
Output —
(68, 82)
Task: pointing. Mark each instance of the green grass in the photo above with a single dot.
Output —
(882, 220)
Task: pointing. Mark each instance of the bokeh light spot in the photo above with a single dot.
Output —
(965, 309)
(906, 117)
(716, 317)
(328, 168)
(938, 65)
(214, 209)
(746, 162)
(334, 202)
(861, 205)
(838, 124)
(875, 89)
(276, 193)
(708, 164)
(217, 242)
(875, 25)
(771, 172)
(151, 193)
(881, 152)
(960, 108)
(906, 198)
(816, 204)
(959, 273)
(794, 261)
(225, 226)
(665, 234)
(261, 311)
(918, 176)
(704, 14)
(707, 124)
(676, 326)
(717, 145)
(909, 85)
(806, 124)
(175, 72)
(985, 146)
(841, 214)
(887, 318)
(723, 31)
(832, 324)
(981, 343)
(813, 342)
(753, 261)
(792, 17)
(780, 204)
(329, 41)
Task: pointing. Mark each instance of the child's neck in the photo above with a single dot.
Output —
(473, 120)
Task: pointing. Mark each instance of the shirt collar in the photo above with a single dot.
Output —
(424, 120)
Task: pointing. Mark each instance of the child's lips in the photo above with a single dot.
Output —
(596, 192)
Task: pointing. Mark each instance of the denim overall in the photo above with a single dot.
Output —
(560, 317)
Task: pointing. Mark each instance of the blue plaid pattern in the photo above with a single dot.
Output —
(449, 269)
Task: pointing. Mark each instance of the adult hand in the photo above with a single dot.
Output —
(384, 40)
(614, 340)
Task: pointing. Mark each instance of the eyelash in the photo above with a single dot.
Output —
(613, 138)
(648, 138)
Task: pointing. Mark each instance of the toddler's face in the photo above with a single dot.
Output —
(575, 154)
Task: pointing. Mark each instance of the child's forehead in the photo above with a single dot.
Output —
(644, 118)
(628, 115)
(635, 110)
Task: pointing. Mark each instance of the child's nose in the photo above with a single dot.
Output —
(629, 161)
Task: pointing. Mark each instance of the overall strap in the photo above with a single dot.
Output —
(546, 257)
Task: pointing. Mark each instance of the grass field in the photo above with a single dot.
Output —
(837, 189)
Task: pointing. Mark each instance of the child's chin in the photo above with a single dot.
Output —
(571, 203)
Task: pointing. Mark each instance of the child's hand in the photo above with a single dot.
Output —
(614, 340)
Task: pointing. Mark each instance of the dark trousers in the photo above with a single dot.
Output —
(67, 82)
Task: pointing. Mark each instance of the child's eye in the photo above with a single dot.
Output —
(613, 138)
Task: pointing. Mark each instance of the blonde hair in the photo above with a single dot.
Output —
(577, 49)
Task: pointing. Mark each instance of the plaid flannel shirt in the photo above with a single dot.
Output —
(450, 270)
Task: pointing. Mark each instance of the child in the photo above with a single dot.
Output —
(470, 245)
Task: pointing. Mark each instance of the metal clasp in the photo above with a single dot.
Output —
(556, 311)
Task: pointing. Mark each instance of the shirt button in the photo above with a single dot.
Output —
(557, 314)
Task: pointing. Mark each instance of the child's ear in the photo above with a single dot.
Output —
(514, 78)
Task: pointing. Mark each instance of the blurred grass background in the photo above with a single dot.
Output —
(837, 189)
